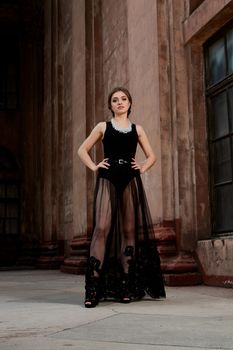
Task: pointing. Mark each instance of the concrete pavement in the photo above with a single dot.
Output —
(44, 310)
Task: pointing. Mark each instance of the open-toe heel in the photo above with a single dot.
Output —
(125, 293)
(92, 292)
(125, 300)
(92, 283)
(90, 303)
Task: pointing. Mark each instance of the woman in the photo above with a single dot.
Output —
(123, 262)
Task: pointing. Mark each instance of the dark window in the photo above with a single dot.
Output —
(9, 94)
(9, 195)
(219, 94)
(230, 50)
(9, 208)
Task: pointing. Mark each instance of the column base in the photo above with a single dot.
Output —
(77, 262)
(179, 268)
(29, 253)
(51, 256)
(182, 279)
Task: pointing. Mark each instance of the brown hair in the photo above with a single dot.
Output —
(126, 92)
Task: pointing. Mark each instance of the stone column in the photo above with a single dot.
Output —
(51, 242)
(79, 182)
(31, 109)
(143, 83)
(178, 182)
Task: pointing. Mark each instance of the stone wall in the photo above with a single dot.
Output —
(214, 254)
(215, 258)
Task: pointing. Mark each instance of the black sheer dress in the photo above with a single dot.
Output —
(123, 241)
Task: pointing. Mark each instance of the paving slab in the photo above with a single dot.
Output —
(57, 344)
(44, 310)
(157, 330)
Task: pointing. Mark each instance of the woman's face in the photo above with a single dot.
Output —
(119, 103)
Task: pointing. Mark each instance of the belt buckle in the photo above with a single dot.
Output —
(121, 161)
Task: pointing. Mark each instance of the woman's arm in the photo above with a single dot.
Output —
(83, 151)
(147, 149)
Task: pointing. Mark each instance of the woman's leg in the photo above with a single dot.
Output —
(127, 242)
(103, 213)
(128, 229)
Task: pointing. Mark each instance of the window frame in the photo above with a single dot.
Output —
(211, 90)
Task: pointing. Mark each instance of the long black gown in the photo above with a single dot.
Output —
(123, 241)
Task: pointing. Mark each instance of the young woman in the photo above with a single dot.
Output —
(123, 263)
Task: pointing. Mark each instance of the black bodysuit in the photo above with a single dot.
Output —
(123, 239)
(119, 149)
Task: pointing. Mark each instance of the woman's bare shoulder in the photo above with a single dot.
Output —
(100, 127)
(139, 129)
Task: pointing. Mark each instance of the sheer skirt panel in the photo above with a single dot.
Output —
(123, 241)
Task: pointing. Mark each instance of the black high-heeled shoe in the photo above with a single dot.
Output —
(125, 296)
(92, 282)
(92, 292)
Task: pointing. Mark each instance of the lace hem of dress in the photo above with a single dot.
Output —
(143, 276)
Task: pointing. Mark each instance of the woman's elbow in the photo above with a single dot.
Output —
(154, 159)
(80, 151)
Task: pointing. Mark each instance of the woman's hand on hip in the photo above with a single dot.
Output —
(135, 165)
(103, 164)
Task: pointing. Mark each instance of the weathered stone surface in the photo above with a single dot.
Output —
(216, 261)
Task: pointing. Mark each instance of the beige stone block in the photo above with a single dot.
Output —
(215, 256)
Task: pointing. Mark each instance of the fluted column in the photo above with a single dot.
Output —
(82, 112)
(31, 111)
(177, 156)
(51, 242)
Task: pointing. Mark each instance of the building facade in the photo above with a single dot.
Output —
(60, 60)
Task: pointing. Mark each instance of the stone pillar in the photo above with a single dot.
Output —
(31, 108)
(143, 83)
(106, 67)
(177, 148)
(79, 182)
(115, 48)
(51, 241)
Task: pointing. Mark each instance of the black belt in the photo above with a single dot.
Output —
(119, 161)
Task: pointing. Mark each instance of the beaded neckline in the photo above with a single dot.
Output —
(123, 130)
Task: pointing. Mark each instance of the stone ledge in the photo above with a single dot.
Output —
(206, 19)
(183, 279)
